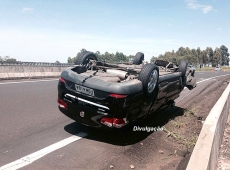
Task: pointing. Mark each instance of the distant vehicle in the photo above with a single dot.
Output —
(192, 68)
(218, 69)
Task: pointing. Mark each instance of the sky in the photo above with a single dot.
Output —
(47, 31)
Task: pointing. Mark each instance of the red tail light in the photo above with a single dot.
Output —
(107, 121)
(62, 80)
(62, 104)
(118, 96)
(115, 122)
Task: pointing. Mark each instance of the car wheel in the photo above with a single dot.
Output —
(85, 57)
(149, 76)
(183, 68)
(139, 57)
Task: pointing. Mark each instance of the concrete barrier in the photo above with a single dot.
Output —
(206, 151)
(27, 71)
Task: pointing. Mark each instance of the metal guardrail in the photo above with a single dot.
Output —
(35, 64)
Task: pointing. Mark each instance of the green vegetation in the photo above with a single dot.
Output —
(197, 57)
(178, 123)
(204, 69)
(107, 57)
(188, 142)
(7, 59)
(193, 109)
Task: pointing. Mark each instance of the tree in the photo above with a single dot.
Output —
(153, 59)
(57, 62)
(205, 57)
(199, 56)
(11, 60)
(209, 54)
(187, 51)
(217, 59)
(98, 54)
(8, 59)
(120, 57)
(70, 60)
(161, 57)
(131, 58)
(224, 55)
(107, 57)
(181, 51)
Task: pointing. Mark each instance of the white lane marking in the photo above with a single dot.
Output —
(212, 78)
(15, 82)
(201, 82)
(37, 155)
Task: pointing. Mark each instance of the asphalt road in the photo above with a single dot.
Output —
(30, 121)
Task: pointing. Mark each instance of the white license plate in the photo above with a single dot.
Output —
(84, 90)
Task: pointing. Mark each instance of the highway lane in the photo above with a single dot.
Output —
(29, 111)
(30, 121)
(24, 106)
(205, 75)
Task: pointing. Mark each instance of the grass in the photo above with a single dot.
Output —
(190, 142)
(178, 123)
(173, 134)
(187, 142)
(191, 111)
(211, 69)
(187, 112)
(204, 69)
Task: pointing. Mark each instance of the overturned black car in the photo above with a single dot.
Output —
(113, 95)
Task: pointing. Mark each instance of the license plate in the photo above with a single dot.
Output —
(84, 90)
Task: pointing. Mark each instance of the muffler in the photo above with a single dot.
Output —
(121, 74)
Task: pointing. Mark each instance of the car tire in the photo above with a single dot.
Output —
(84, 58)
(183, 68)
(139, 57)
(149, 76)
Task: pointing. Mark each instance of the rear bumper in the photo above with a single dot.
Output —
(94, 121)
(101, 109)
(95, 113)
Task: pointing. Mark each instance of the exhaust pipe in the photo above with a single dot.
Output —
(121, 74)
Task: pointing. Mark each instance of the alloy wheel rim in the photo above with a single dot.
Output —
(152, 81)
